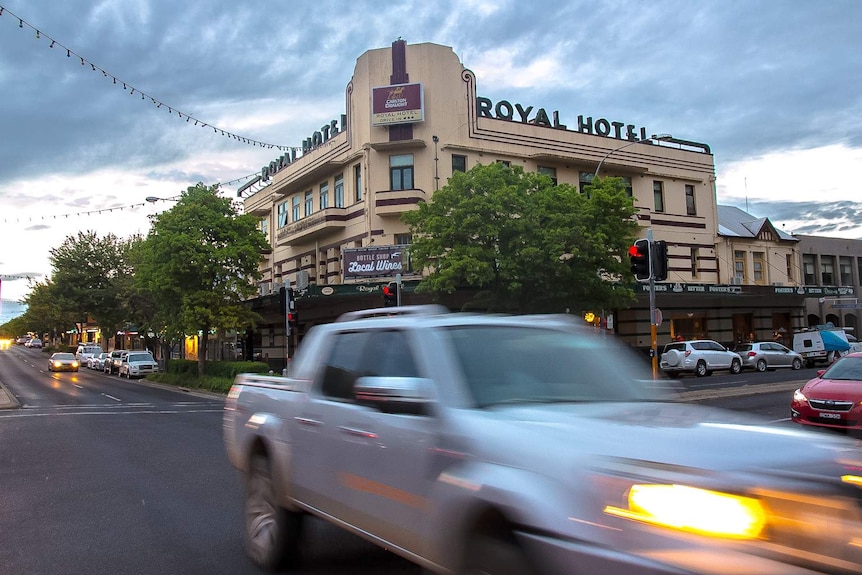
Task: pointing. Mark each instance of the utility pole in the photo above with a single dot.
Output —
(653, 316)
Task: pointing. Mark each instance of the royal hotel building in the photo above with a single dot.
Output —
(413, 115)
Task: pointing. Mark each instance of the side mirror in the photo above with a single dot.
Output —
(820, 372)
(411, 395)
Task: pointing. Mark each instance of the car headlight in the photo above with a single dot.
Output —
(694, 510)
(799, 396)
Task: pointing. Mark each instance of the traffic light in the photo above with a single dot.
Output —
(639, 256)
(659, 260)
(390, 294)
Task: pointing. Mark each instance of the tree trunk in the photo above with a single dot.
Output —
(202, 352)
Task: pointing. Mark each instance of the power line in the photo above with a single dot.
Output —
(86, 63)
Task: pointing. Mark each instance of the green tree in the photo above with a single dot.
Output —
(90, 274)
(525, 244)
(199, 262)
(44, 313)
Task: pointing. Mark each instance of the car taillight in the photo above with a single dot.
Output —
(752, 353)
(687, 352)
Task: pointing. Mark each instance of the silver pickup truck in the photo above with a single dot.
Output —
(503, 445)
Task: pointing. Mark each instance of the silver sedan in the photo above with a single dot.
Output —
(769, 355)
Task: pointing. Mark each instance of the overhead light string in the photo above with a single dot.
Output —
(126, 86)
(31, 219)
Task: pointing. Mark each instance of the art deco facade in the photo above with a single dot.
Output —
(413, 115)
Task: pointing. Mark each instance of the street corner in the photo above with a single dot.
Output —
(7, 400)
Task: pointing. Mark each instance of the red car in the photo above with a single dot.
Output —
(833, 398)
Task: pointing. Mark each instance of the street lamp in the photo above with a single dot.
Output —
(154, 199)
(656, 137)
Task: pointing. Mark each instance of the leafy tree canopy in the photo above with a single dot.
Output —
(526, 244)
(89, 273)
(198, 263)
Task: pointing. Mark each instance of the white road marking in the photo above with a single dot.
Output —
(112, 397)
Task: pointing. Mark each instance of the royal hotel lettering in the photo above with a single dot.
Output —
(504, 110)
(317, 139)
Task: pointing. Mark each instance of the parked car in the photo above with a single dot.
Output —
(35, 342)
(98, 361)
(701, 357)
(137, 364)
(112, 364)
(833, 399)
(87, 350)
(62, 361)
(763, 355)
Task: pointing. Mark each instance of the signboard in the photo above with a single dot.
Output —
(374, 261)
(720, 289)
(397, 104)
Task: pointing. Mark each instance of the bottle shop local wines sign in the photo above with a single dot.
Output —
(374, 261)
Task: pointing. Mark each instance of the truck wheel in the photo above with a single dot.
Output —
(272, 533)
(488, 555)
(700, 369)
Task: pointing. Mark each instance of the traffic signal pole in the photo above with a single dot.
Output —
(653, 336)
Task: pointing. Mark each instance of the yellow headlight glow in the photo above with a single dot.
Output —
(694, 510)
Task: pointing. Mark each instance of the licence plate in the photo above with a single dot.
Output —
(830, 415)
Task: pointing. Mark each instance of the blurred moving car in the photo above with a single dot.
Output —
(22, 339)
(700, 356)
(62, 361)
(763, 355)
(35, 342)
(98, 361)
(833, 399)
(496, 445)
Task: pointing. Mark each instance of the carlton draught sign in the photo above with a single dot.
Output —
(374, 261)
(397, 104)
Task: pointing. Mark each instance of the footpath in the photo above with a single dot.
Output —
(8, 400)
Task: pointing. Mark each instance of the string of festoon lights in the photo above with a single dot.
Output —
(67, 215)
(132, 90)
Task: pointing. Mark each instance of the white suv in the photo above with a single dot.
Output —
(701, 356)
(137, 364)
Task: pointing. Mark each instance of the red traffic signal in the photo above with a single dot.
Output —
(390, 294)
(640, 258)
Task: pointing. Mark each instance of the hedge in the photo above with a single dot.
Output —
(225, 369)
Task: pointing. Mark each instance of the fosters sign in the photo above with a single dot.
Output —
(372, 262)
(397, 104)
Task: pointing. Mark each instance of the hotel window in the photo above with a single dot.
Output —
(694, 262)
(401, 172)
(845, 268)
(690, 207)
(506, 163)
(339, 191)
(809, 273)
(584, 180)
(309, 203)
(739, 265)
(264, 227)
(827, 270)
(627, 182)
(403, 239)
(294, 208)
(658, 195)
(789, 261)
(357, 182)
(459, 163)
(282, 214)
(759, 267)
(550, 172)
(324, 195)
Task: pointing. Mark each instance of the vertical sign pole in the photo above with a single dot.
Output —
(398, 290)
(652, 314)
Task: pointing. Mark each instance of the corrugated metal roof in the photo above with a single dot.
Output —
(733, 222)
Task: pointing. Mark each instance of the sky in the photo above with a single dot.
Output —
(774, 87)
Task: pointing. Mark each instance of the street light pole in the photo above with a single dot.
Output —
(656, 137)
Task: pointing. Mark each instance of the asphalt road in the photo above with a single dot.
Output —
(104, 475)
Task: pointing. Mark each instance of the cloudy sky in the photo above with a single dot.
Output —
(774, 87)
